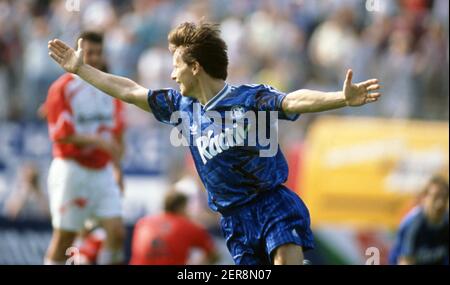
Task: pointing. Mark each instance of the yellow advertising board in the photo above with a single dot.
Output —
(366, 172)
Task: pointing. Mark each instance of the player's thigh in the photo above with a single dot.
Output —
(63, 238)
(60, 245)
(287, 225)
(288, 254)
(107, 199)
(108, 205)
(243, 247)
(68, 195)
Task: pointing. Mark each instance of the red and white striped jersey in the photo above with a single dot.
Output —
(75, 107)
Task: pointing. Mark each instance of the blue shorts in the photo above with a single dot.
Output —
(255, 230)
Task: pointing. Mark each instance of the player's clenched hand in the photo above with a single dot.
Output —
(65, 56)
(360, 93)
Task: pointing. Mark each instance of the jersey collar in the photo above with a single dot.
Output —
(219, 96)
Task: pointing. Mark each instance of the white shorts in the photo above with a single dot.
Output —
(78, 193)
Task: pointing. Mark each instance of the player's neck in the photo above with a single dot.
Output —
(208, 88)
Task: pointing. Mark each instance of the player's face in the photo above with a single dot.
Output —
(182, 73)
(436, 201)
(93, 54)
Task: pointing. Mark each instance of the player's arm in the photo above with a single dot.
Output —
(117, 167)
(118, 87)
(83, 140)
(308, 101)
(118, 176)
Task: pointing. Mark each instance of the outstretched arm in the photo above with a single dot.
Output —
(308, 101)
(118, 87)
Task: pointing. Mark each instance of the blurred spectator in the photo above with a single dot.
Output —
(28, 200)
(423, 237)
(432, 73)
(169, 238)
(332, 43)
(39, 71)
(398, 76)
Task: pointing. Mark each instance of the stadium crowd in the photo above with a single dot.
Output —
(288, 44)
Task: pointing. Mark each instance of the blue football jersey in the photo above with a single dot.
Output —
(418, 239)
(230, 166)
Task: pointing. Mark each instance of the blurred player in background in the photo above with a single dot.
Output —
(85, 178)
(423, 237)
(263, 221)
(168, 239)
(189, 183)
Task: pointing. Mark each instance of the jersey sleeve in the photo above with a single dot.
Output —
(267, 98)
(163, 103)
(407, 236)
(59, 113)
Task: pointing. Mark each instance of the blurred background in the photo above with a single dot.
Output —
(358, 169)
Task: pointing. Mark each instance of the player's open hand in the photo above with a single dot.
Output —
(360, 93)
(65, 56)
